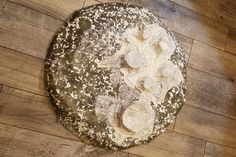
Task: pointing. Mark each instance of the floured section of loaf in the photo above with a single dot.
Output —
(144, 61)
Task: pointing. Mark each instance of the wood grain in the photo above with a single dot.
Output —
(26, 30)
(187, 22)
(30, 111)
(21, 71)
(209, 126)
(214, 150)
(17, 142)
(211, 93)
(59, 9)
(231, 41)
(171, 144)
(223, 11)
(213, 61)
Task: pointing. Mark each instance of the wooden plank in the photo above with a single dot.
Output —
(187, 22)
(60, 9)
(214, 150)
(26, 30)
(231, 42)
(30, 111)
(17, 142)
(203, 124)
(171, 144)
(21, 71)
(223, 11)
(213, 61)
(211, 93)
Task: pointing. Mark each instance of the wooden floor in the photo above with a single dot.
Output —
(206, 126)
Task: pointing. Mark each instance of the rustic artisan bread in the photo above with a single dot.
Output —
(116, 76)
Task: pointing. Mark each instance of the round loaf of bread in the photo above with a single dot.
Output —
(116, 75)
